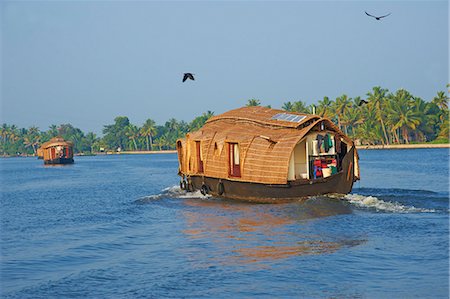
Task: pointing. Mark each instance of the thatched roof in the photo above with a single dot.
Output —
(263, 116)
(266, 138)
(56, 141)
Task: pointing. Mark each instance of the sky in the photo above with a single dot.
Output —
(87, 62)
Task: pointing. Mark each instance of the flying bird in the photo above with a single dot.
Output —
(362, 102)
(188, 76)
(378, 18)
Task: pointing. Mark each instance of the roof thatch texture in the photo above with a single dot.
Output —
(57, 141)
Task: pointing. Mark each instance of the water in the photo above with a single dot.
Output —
(119, 227)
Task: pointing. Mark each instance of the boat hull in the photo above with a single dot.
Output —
(339, 183)
(59, 161)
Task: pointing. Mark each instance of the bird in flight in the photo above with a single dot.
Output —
(188, 76)
(362, 102)
(378, 18)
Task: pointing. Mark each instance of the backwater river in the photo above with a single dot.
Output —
(118, 226)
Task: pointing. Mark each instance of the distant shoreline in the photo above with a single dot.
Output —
(403, 146)
(359, 147)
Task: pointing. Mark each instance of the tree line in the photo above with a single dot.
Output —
(382, 117)
(121, 135)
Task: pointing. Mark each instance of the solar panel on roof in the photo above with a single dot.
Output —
(288, 117)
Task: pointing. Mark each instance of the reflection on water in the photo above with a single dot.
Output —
(246, 233)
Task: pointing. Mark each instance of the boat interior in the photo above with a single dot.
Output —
(317, 155)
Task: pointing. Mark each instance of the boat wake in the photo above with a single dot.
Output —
(383, 203)
(372, 202)
(173, 192)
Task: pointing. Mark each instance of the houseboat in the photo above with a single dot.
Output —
(267, 155)
(40, 150)
(57, 151)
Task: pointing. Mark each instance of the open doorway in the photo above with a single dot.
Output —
(298, 163)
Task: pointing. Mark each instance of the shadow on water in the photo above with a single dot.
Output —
(243, 232)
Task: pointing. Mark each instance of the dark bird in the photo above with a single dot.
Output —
(378, 18)
(362, 102)
(188, 76)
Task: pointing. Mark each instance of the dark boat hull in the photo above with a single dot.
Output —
(59, 161)
(339, 183)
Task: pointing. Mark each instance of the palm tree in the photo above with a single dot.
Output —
(77, 136)
(34, 137)
(441, 99)
(253, 102)
(351, 119)
(198, 122)
(164, 141)
(340, 108)
(324, 106)
(299, 106)
(90, 139)
(172, 125)
(401, 114)
(4, 132)
(148, 130)
(444, 129)
(377, 98)
(132, 132)
(53, 131)
(287, 106)
(31, 140)
(420, 107)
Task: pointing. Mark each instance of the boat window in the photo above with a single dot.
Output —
(234, 159)
(199, 157)
(216, 149)
(52, 153)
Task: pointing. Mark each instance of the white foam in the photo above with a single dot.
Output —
(176, 192)
(380, 205)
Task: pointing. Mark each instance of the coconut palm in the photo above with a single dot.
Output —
(253, 102)
(132, 132)
(4, 132)
(148, 130)
(53, 131)
(340, 108)
(299, 106)
(288, 106)
(164, 141)
(350, 120)
(172, 125)
(32, 138)
(90, 140)
(423, 128)
(444, 129)
(323, 109)
(377, 98)
(199, 121)
(401, 113)
(441, 99)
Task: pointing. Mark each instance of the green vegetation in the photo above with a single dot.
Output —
(386, 118)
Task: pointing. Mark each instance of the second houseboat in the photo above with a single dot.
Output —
(57, 151)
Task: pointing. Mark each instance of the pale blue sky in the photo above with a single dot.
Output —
(86, 62)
